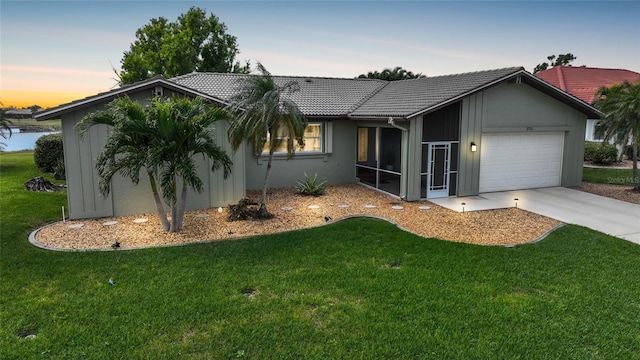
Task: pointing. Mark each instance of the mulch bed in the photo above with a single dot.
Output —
(492, 227)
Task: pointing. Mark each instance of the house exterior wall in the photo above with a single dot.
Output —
(513, 108)
(83, 192)
(338, 166)
(414, 163)
(85, 199)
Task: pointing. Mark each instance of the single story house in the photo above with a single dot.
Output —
(453, 135)
(19, 114)
(583, 82)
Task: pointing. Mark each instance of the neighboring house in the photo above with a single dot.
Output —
(19, 114)
(583, 82)
(453, 135)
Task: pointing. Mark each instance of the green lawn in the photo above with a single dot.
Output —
(56, 123)
(608, 176)
(358, 289)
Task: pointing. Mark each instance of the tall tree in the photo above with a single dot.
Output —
(397, 73)
(195, 42)
(266, 118)
(35, 108)
(560, 60)
(620, 104)
(161, 139)
(5, 129)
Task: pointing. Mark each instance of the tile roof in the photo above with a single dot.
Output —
(358, 97)
(342, 97)
(582, 82)
(317, 96)
(407, 98)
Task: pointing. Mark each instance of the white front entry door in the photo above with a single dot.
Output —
(438, 169)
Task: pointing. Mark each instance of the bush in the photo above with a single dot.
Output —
(59, 172)
(246, 209)
(311, 186)
(628, 152)
(600, 153)
(48, 154)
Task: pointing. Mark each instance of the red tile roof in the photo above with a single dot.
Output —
(582, 82)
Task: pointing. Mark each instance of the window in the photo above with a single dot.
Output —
(596, 137)
(313, 141)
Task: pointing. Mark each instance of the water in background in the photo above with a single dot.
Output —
(23, 141)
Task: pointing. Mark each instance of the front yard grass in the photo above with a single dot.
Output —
(608, 176)
(360, 288)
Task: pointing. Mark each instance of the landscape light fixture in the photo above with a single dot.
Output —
(516, 200)
(463, 204)
(474, 147)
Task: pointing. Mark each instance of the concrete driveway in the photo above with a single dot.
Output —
(610, 216)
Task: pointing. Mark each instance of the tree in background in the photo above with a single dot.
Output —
(5, 129)
(265, 119)
(195, 42)
(161, 138)
(398, 73)
(560, 60)
(620, 104)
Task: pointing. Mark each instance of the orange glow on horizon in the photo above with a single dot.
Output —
(21, 99)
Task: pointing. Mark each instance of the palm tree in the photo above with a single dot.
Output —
(266, 118)
(620, 104)
(161, 138)
(5, 129)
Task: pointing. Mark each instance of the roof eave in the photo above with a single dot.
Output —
(377, 117)
(56, 112)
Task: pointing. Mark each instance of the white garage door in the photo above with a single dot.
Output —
(520, 161)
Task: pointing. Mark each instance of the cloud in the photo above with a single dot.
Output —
(283, 64)
(56, 34)
(55, 71)
(394, 43)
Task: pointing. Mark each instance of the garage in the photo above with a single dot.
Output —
(513, 161)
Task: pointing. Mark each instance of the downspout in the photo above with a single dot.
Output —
(404, 166)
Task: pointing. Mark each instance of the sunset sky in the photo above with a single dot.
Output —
(54, 52)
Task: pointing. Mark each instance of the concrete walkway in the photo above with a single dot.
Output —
(610, 216)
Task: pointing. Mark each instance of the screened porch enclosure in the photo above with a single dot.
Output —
(379, 158)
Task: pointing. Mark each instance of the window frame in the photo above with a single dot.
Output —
(323, 137)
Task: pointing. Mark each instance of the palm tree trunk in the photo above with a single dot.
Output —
(174, 211)
(636, 181)
(182, 206)
(156, 197)
(623, 146)
(262, 211)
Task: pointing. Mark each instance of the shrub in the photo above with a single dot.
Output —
(246, 209)
(48, 152)
(628, 152)
(600, 153)
(311, 186)
(59, 172)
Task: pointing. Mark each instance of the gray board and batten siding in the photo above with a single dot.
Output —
(84, 197)
(512, 108)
